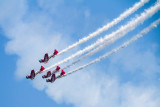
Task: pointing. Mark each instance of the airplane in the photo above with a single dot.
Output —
(33, 73)
(47, 57)
(54, 77)
(49, 72)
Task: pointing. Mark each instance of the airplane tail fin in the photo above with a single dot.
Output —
(58, 68)
(62, 72)
(55, 52)
(42, 68)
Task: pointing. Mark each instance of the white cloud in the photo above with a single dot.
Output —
(140, 97)
(87, 13)
(92, 90)
(8, 9)
(50, 5)
(136, 61)
(32, 37)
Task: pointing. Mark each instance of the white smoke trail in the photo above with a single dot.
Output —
(122, 31)
(112, 40)
(141, 34)
(109, 25)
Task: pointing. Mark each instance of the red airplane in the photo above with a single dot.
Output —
(33, 73)
(47, 57)
(49, 72)
(53, 77)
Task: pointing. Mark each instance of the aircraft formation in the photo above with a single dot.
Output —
(49, 73)
(100, 43)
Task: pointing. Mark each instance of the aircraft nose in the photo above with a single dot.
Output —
(26, 77)
(47, 80)
(43, 76)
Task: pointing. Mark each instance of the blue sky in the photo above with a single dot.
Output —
(30, 28)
